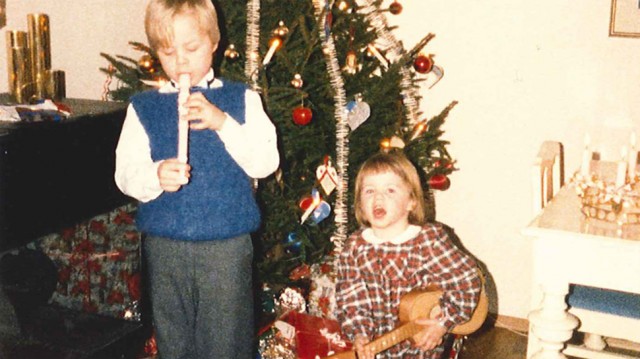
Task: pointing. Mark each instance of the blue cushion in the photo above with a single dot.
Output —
(605, 300)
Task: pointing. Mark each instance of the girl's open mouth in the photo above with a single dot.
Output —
(379, 212)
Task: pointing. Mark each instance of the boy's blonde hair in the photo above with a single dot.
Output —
(160, 13)
(397, 163)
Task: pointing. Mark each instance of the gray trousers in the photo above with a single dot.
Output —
(201, 297)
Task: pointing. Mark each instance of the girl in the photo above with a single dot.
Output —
(394, 253)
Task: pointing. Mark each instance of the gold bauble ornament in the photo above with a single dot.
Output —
(351, 63)
(368, 54)
(343, 5)
(297, 81)
(282, 30)
(147, 64)
(231, 53)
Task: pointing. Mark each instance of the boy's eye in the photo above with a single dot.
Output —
(168, 51)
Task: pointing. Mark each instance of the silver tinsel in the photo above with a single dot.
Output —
(253, 42)
(342, 127)
(394, 51)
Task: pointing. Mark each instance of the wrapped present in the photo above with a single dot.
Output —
(316, 336)
(98, 263)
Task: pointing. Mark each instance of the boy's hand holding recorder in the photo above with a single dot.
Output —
(195, 112)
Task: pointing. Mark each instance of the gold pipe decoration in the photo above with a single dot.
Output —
(58, 85)
(40, 53)
(18, 66)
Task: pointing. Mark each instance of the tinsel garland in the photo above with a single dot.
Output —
(394, 51)
(253, 40)
(342, 127)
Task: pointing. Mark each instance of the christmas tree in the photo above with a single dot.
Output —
(339, 87)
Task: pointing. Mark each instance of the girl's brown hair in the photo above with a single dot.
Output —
(394, 162)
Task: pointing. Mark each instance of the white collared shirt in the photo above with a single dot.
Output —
(253, 145)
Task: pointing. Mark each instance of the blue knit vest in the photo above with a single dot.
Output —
(218, 201)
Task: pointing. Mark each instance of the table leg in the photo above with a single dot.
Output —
(551, 324)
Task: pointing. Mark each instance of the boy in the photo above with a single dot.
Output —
(196, 216)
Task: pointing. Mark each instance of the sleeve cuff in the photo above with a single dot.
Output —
(228, 127)
(153, 189)
(447, 323)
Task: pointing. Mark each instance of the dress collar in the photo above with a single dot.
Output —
(408, 234)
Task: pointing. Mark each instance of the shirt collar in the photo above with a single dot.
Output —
(208, 81)
(409, 233)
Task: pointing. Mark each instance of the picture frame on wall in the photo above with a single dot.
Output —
(625, 18)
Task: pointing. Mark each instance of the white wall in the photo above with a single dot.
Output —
(523, 72)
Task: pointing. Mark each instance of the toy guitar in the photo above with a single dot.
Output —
(415, 305)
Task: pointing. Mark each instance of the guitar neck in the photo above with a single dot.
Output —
(394, 337)
(384, 342)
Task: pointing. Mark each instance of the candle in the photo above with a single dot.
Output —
(184, 83)
(418, 129)
(585, 167)
(378, 55)
(633, 157)
(621, 173)
(274, 44)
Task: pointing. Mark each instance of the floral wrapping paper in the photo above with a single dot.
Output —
(322, 299)
(98, 264)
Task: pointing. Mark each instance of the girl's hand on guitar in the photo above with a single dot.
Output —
(363, 352)
(431, 336)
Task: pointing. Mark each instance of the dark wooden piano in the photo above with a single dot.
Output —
(54, 175)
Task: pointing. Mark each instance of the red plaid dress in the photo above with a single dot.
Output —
(374, 275)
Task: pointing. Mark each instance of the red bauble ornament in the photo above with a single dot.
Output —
(423, 64)
(302, 115)
(395, 8)
(440, 182)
